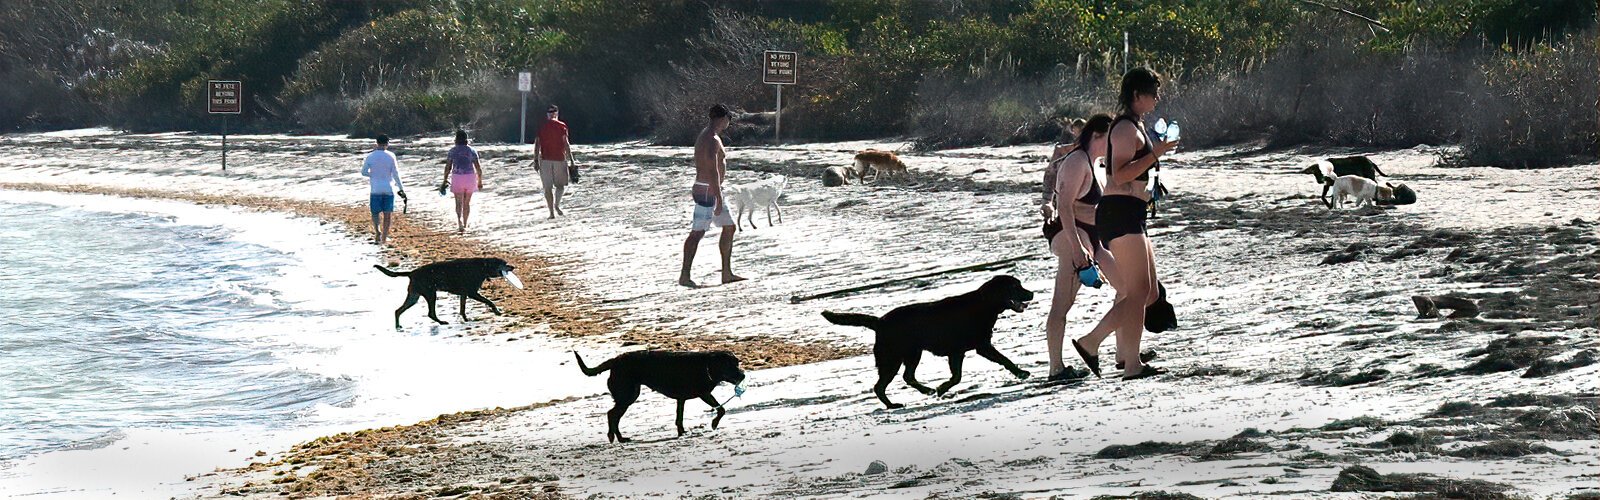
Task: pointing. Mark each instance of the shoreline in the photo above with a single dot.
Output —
(547, 299)
(544, 301)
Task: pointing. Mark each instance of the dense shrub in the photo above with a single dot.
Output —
(1511, 82)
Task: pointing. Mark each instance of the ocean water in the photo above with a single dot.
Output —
(142, 341)
(130, 320)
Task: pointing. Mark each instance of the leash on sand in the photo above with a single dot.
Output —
(987, 266)
(738, 390)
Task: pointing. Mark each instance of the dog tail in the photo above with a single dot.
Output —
(592, 371)
(392, 274)
(851, 319)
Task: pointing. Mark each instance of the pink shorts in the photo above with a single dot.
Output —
(463, 183)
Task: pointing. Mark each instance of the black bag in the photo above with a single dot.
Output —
(1159, 316)
(572, 172)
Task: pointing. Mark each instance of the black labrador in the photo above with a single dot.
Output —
(678, 375)
(949, 327)
(462, 277)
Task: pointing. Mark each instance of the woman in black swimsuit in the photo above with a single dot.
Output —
(1120, 218)
(1076, 194)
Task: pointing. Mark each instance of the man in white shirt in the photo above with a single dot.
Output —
(381, 168)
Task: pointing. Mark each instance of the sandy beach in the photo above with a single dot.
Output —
(1298, 368)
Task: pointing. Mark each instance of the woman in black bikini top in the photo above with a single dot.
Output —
(1077, 246)
(1120, 219)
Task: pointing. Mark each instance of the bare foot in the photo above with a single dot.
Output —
(559, 212)
(729, 278)
(688, 283)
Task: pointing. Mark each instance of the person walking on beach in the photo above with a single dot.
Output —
(710, 169)
(1068, 142)
(1120, 218)
(465, 176)
(1077, 247)
(383, 173)
(554, 155)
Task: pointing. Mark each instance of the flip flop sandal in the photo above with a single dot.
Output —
(1144, 357)
(1146, 371)
(1092, 361)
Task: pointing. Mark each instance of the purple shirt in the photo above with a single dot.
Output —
(461, 157)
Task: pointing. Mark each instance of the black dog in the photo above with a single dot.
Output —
(948, 327)
(677, 375)
(462, 277)
(1342, 166)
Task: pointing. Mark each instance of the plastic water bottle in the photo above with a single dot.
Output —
(1160, 128)
(1172, 131)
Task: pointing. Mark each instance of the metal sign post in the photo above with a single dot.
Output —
(524, 84)
(779, 70)
(222, 98)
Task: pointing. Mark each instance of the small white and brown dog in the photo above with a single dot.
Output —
(1364, 191)
(881, 162)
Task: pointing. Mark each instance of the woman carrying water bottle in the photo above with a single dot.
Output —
(1120, 218)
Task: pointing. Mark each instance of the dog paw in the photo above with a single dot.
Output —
(1021, 375)
(925, 391)
(895, 406)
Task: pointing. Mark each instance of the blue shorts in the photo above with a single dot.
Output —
(382, 203)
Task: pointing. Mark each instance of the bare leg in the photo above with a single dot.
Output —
(560, 191)
(377, 230)
(1109, 271)
(461, 225)
(690, 244)
(388, 220)
(1133, 259)
(466, 209)
(725, 244)
(1055, 325)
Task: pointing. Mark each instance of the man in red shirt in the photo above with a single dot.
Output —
(554, 153)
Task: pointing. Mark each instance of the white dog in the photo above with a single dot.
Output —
(1363, 189)
(764, 193)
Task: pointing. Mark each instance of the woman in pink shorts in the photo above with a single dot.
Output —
(465, 175)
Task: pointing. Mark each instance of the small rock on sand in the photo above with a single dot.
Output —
(877, 467)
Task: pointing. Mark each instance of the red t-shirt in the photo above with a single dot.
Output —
(553, 140)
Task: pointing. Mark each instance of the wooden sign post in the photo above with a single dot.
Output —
(223, 98)
(779, 70)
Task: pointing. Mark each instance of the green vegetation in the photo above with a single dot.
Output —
(1512, 82)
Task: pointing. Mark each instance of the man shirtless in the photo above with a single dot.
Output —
(710, 168)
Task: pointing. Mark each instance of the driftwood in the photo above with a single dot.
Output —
(987, 266)
(1429, 306)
